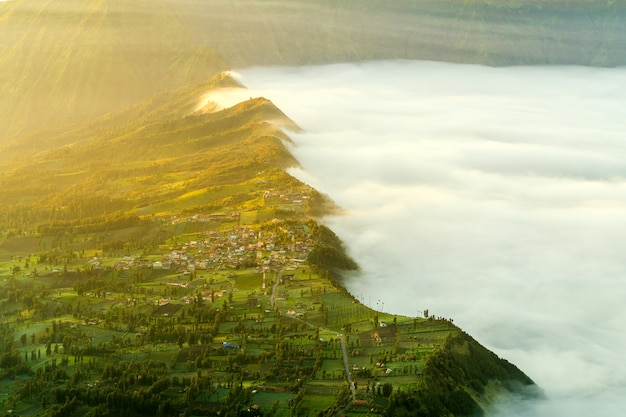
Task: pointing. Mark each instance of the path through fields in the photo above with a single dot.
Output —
(344, 349)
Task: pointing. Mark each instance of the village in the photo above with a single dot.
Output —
(240, 316)
(274, 247)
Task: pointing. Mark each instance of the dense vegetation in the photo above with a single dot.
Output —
(329, 253)
(462, 362)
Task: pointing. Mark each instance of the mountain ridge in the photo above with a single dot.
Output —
(194, 145)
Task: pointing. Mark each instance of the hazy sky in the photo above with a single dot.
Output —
(493, 196)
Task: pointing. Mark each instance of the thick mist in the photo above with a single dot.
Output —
(493, 196)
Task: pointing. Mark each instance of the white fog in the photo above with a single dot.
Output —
(492, 196)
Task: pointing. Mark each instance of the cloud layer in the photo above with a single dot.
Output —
(494, 196)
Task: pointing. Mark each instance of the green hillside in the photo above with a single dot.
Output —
(159, 157)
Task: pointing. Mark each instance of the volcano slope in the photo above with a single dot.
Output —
(160, 261)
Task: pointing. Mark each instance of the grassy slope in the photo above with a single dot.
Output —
(461, 379)
(157, 157)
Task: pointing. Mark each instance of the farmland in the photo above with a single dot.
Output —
(229, 319)
(188, 321)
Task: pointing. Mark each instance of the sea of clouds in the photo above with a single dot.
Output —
(492, 196)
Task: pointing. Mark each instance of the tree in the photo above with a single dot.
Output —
(387, 389)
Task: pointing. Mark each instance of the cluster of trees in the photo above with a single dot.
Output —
(329, 254)
(461, 366)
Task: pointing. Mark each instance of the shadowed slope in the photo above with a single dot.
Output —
(499, 33)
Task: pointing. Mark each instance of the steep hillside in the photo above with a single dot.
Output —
(461, 379)
(498, 33)
(158, 157)
(69, 61)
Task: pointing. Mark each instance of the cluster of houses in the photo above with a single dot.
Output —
(239, 248)
(271, 249)
(296, 198)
